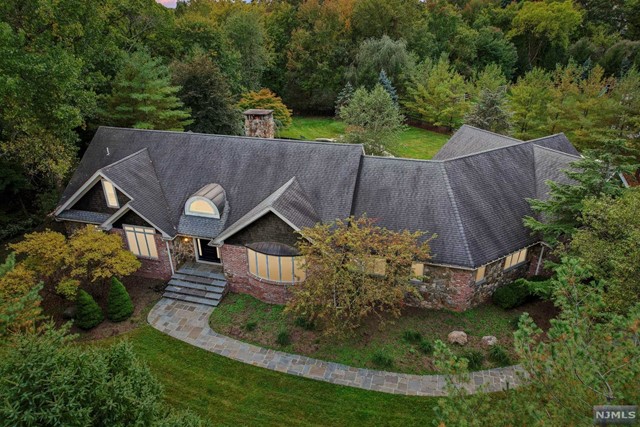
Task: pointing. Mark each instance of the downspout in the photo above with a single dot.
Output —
(539, 260)
(166, 242)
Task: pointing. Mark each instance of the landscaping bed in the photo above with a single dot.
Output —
(402, 345)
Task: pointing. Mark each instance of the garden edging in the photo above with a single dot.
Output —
(189, 322)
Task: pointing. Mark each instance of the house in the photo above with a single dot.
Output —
(236, 202)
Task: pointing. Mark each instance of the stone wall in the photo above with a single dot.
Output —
(236, 269)
(182, 250)
(259, 125)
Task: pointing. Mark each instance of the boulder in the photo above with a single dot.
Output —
(457, 337)
(489, 341)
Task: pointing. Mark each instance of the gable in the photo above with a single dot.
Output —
(268, 228)
(131, 218)
(94, 200)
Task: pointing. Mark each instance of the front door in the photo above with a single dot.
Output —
(206, 253)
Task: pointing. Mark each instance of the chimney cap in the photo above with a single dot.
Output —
(257, 112)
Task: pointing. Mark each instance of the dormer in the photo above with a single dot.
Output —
(207, 202)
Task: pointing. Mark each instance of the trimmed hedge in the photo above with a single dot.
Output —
(119, 304)
(89, 314)
(512, 295)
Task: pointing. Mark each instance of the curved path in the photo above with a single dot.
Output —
(189, 322)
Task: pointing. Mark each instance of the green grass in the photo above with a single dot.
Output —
(401, 339)
(414, 143)
(232, 393)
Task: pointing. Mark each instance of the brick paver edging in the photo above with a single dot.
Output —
(189, 322)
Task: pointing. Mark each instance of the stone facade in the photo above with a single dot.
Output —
(259, 124)
(236, 269)
(182, 250)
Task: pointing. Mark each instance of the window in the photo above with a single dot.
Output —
(110, 194)
(480, 273)
(275, 268)
(141, 241)
(515, 258)
(199, 206)
(418, 270)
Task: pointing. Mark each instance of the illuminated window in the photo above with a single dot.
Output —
(286, 269)
(418, 270)
(110, 194)
(199, 206)
(480, 273)
(141, 241)
(515, 258)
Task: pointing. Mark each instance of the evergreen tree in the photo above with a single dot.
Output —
(388, 86)
(142, 97)
(119, 304)
(89, 314)
(205, 91)
(344, 98)
(490, 112)
(528, 100)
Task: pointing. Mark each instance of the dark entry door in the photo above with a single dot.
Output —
(207, 253)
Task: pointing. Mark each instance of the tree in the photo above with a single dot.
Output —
(268, 100)
(396, 18)
(354, 269)
(19, 299)
(143, 98)
(204, 90)
(492, 47)
(344, 98)
(490, 112)
(440, 98)
(384, 81)
(372, 119)
(119, 304)
(595, 175)
(587, 358)
(609, 242)
(89, 255)
(89, 314)
(528, 100)
(626, 96)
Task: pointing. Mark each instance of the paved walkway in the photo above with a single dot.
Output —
(189, 322)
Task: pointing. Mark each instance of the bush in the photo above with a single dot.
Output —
(119, 304)
(512, 295)
(283, 338)
(475, 359)
(499, 355)
(426, 347)
(515, 321)
(250, 326)
(381, 359)
(89, 314)
(413, 337)
(304, 323)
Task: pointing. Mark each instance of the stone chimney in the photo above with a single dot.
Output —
(259, 123)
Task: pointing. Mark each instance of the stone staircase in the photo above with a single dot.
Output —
(197, 283)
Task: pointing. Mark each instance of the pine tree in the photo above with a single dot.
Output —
(490, 112)
(142, 97)
(89, 313)
(388, 86)
(344, 98)
(119, 304)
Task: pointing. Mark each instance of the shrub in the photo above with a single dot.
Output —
(265, 99)
(475, 359)
(511, 295)
(426, 347)
(250, 326)
(283, 338)
(515, 321)
(412, 336)
(304, 323)
(119, 304)
(89, 313)
(499, 355)
(381, 359)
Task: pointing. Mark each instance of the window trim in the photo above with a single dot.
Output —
(514, 257)
(270, 262)
(106, 184)
(215, 213)
(146, 231)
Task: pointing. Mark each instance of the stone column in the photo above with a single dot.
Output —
(259, 123)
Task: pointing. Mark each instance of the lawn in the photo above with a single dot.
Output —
(232, 393)
(248, 319)
(414, 143)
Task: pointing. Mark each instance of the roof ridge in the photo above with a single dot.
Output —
(456, 213)
(408, 159)
(518, 144)
(542, 147)
(341, 144)
(125, 158)
(548, 136)
(489, 132)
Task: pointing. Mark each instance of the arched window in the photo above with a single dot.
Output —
(199, 206)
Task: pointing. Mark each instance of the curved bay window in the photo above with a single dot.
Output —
(275, 262)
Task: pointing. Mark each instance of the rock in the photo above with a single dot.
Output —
(489, 341)
(457, 337)
(70, 312)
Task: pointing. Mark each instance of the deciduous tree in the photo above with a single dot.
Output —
(268, 100)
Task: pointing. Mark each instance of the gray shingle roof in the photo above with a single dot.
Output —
(558, 142)
(84, 216)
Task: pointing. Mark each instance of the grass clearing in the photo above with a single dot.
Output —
(408, 341)
(232, 393)
(414, 143)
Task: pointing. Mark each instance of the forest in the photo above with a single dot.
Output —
(524, 68)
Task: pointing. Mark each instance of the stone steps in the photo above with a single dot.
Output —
(197, 285)
(189, 298)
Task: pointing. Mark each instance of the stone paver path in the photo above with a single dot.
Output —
(189, 322)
